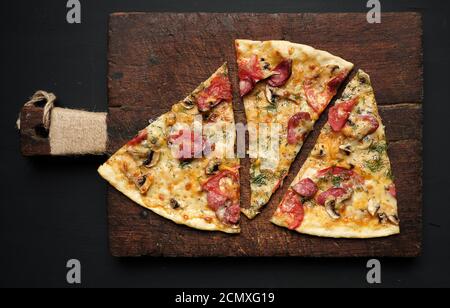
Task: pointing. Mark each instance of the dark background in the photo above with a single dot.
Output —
(53, 210)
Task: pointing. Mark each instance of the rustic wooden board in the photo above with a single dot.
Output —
(33, 136)
(155, 59)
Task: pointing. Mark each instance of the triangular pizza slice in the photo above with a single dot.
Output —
(182, 166)
(345, 189)
(285, 88)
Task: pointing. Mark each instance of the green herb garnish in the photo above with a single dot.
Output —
(374, 165)
(379, 147)
(271, 107)
(390, 174)
(336, 180)
(185, 164)
(260, 180)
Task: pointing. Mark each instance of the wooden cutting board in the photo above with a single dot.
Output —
(156, 59)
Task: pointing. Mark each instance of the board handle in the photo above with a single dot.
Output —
(48, 130)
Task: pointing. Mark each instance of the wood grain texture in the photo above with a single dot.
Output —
(156, 59)
(34, 139)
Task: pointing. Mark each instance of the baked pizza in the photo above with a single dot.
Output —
(182, 166)
(345, 189)
(285, 88)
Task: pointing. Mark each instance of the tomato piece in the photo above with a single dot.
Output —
(143, 135)
(339, 114)
(251, 68)
(292, 206)
(218, 91)
(246, 85)
(232, 214)
(213, 183)
(335, 192)
(250, 73)
(319, 101)
(215, 200)
(294, 135)
(334, 84)
(221, 88)
(345, 174)
(282, 73)
(224, 203)
(311, 97)
(372, 123)
(306, 188)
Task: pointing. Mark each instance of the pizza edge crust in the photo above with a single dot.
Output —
(109, 174)
(321, 55)
(342, 231)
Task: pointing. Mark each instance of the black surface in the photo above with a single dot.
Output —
(55, 210)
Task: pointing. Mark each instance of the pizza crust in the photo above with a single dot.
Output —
(245, 48)
(342, 231)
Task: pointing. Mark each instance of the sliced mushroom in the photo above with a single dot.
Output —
(140, 181)
(366, 143)
(144, 183)
(373, 207)
(333, 68)
(347, 148)
(330, 207)
(212, 167)
(188, 103)
(394, 219)
(363, 79)
(174, 204)
(334, 204)
(152, 159)
(345, 197)
(269, 95)
(273, 94)
(319, 151)
(383, 218)
(138, 152)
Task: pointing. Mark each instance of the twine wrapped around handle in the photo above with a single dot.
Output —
(49, 99)
(70, 132)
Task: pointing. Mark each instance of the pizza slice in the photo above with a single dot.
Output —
(285, 88)
(182, 166)
(345, 189)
